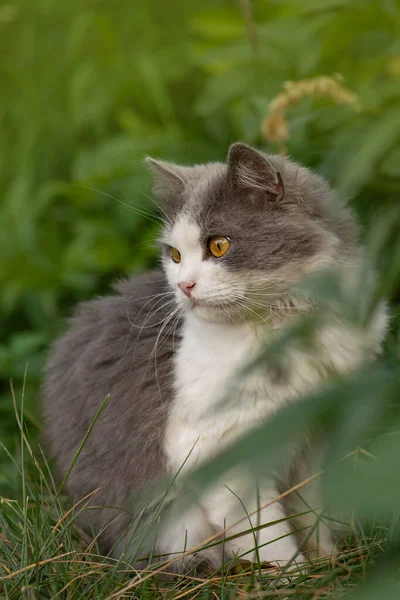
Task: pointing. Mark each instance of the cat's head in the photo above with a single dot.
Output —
(239, 235)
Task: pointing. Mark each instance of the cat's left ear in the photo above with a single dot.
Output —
(249, 170)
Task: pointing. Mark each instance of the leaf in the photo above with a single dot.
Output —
(218, 25)
(390, 167)
(222, 88)
(310, 6)
(267, 446)
(371, 147)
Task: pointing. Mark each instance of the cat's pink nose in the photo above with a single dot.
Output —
(186, 287)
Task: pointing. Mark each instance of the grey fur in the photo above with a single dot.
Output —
(109, 349)
(274, 212)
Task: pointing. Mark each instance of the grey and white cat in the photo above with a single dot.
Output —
(237, 240)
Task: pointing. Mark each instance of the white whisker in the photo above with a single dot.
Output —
(140, 211)
(168, 220)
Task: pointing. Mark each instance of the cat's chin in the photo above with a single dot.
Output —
(214, 313)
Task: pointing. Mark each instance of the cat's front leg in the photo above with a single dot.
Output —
(274, 543)
(180, 537)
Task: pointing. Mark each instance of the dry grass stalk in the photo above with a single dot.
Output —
(275, 126)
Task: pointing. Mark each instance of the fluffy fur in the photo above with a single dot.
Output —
(166, 359)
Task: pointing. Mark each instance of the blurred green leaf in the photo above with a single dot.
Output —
(349, 409)
(376, 140)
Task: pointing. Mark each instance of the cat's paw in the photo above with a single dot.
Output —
(278, 552)
(199, 564)
(180, 540)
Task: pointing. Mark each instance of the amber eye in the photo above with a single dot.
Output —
(219, 245)
(176, 255)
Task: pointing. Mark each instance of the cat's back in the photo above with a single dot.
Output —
(122, 346)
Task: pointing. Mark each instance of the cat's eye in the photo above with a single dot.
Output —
(219, 245)
(176, 255)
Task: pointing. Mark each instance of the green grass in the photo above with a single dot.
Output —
(44, 554)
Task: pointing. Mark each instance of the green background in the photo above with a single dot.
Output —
(88, 88)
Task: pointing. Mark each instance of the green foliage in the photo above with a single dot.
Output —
(89, 91)
(90, 88)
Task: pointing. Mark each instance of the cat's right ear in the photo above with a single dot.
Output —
(169, 180)
(251, 172)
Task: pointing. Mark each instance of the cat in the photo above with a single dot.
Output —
(237, 240)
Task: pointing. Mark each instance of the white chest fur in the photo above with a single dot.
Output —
(213, 406)
(207, 361)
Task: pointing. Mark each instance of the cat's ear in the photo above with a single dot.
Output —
(169, 180)
(249, 170)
